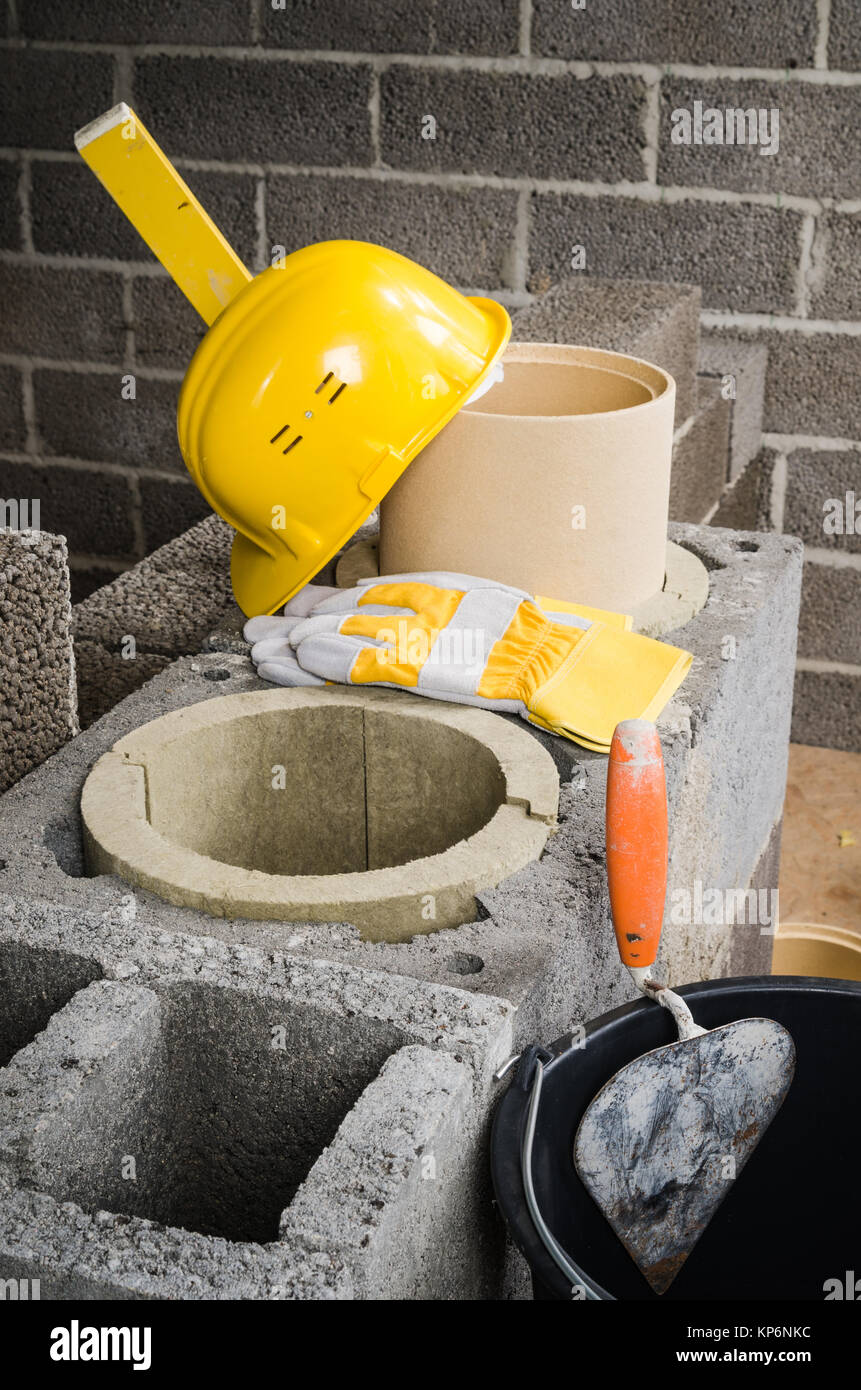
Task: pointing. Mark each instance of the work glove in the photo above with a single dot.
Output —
(574, 671)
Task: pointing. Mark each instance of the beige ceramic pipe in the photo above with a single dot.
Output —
(557, 481)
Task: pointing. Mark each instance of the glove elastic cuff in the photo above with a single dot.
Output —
(610, 675)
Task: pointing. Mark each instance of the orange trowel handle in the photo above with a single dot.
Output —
(636, 829)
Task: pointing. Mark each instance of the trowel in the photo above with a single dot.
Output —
(662, 1143)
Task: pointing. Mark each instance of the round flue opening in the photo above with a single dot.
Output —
(377, 809)
(321, 791)
(556, 388)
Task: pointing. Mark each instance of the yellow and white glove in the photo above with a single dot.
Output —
(569, 670)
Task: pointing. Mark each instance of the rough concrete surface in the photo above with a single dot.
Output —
(837, 283)
(781, 34)
(816, 154)
(62, 313)
(225, 1032)
(167, 603)
(827, 709)
(436, 1207)
(844, 36)
(13, 427)
(111, 429)
(479, 222)
(753, 600)
(552, 126)
(746, 503)
(38, 701)
(701, 456)
(91, 509)
(822, 502)
(203, 1085)
(216, 109)
(399, 26)
(829, 625)
(811, 384)
(746, 364)
(659, 323)
(681, 241)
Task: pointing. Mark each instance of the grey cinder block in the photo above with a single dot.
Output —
(167, 329)
(168, 603)
(781, 34)
(72, 215)
(511, 123)
(105, 676)
(746, 363)
(463, 234)
(746, 503)
(826, 712)
(751, 952)
(62, 313)
(399, 26)
(815, 477)
(38, 704)
(836, 287)
(246, 110)
(34, 985)
(68, 1113)
(10, 216)
(13, 429)
(701, 457)
(529, 946)
(302, 1172)
(156, 21)
(657, 322)
(279, 1116)
(811, 382)
(169, 507)
(829, 625)
(170, 600)
(92, 510)
(85, 578)
(383, 1205)
(85, 415)
(817, 152)
(844, 36)
(685, 242)
(28, 120)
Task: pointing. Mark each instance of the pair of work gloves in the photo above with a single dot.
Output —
(572, 670)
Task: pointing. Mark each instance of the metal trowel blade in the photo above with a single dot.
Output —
(660, 1146)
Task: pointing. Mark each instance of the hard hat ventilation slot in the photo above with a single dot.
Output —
(326, 379)
(342, 387)
(279, 434)
(297, 440)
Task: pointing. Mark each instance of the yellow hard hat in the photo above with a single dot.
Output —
(313, 390)
(317, 382)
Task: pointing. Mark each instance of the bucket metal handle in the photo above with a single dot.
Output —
(530, 1077)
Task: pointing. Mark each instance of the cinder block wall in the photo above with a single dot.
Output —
(551, 131)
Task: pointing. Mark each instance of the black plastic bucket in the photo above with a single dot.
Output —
(791, 1222)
